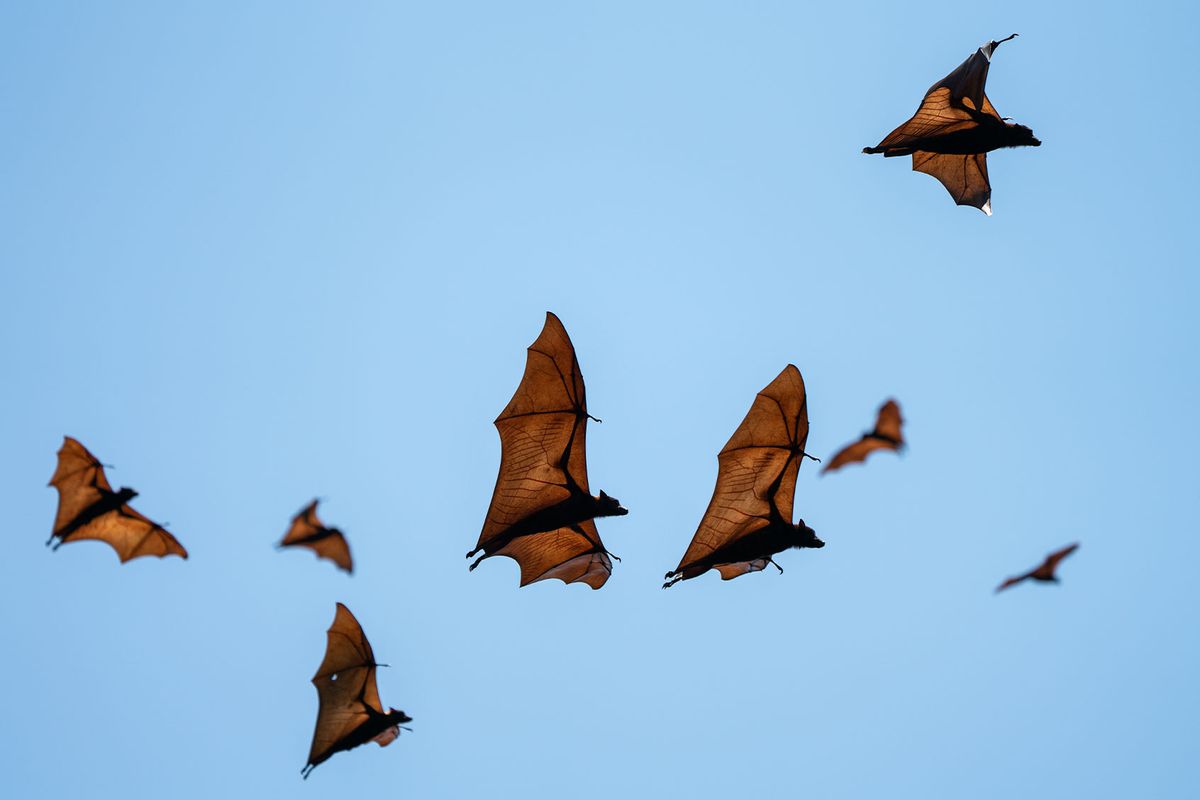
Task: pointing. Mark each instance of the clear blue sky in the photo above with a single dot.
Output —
(254, 253)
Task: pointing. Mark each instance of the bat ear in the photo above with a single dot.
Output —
(603, 496)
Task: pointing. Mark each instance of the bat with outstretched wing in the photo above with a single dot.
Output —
(307, 530)
(350, 712)
(88, 508)
(1044, 572)
(886, 436)
(542, 511)
(953, 131)
(749, 518)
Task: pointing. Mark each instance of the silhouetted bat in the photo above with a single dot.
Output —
(749, 518)
(953, 131)
(542, 510)
(308, 531)
(886, 436)
(350, 713)
(1045, 571)
(88, 508)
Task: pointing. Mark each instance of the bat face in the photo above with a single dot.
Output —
(954, 129)
(610, 507)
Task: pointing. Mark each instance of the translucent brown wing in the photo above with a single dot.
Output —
(569, 554)
(131, 534)
(81, 484)
(855, 452)
(731, 571)
(345, 684)
(757, 468)
(964, 176)
(951, 105)
(79, 479)
(307, 530)
(889, 421)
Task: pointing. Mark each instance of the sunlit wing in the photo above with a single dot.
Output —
(572, 554)
(78, 477)
(964, 176)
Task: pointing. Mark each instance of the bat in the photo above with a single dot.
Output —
(88, 508)
(350, 713)
(886, 436)
(953, 131)
(542, 511)
(1044, 571)
(749, 518)
(307, 530)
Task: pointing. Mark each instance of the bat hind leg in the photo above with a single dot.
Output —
(475, 563)
(304, 773)
(672, 578)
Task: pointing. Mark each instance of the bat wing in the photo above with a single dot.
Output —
(855, 452)
(131, 534)
(345, 684)
(731, 571)
(573, 554)
(953, 104)
(1013, 581)
(80, 481)
(964, 176)
(757, 468)
(1052, 561)
(307, 530)
(889, 422)
(543, 443)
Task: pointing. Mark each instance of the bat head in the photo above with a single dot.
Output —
(805, 537)
(610, 506)
(1019, 136)
(398, 717)
(125, 494)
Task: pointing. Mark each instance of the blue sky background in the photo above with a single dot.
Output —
(254, 253)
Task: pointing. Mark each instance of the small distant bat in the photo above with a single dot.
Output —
(88, 508)
(542, 510)
(886, 436)
(1044, 572)
(953, 131)
(350, 713)
(749, 518)
(308, 531)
